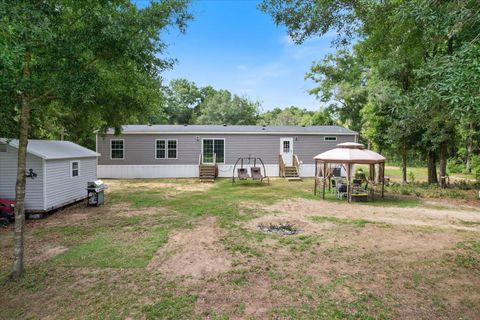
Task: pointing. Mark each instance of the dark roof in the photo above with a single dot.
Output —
(53, 149)
(236, 129)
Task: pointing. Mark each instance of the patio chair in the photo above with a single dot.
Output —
(242, 174)
(256, 173)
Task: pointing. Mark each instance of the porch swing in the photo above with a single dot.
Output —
(256, 172)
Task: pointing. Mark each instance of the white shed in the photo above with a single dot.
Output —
(61, 172)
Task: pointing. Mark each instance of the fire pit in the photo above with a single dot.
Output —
(285, 229)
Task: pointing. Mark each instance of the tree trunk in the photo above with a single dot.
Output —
(432, 168)
(471, 132)
(443, 164)
(404, 163)
(18, 246)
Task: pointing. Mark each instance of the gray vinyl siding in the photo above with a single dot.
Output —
(61, 187)
(34, 199)
(139, 149)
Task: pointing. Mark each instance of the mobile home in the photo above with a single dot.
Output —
(174, 151)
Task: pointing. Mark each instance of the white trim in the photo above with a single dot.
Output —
(224, 149)
(166, 149)
(298, 133)
(116, 171)
(71, 169)
(288, 162)
(325, 138)
(110, 142)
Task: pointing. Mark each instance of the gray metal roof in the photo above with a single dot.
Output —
(54, 149)
(234, 129)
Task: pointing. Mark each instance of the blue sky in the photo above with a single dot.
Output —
(232, 45)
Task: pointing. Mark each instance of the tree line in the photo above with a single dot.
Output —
(406, 75)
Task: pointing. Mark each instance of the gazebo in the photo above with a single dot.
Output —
(348, 154)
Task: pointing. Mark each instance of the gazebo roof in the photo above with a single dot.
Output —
(350, 152)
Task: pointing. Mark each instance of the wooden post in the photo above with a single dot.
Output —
(349, 176)
(382, 166)
(315, 187)
(324, 178)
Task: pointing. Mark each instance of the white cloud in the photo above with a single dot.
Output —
(287, 40)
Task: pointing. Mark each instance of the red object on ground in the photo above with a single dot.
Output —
(5, 205)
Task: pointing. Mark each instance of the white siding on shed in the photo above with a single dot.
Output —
(34, 199)
(61, 187)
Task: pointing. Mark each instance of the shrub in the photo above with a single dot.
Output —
(455, 165)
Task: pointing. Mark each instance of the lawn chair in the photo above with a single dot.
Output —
(256, 173)
(242, 173)
(341, 190)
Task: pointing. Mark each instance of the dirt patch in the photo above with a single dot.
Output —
(172, 186)
(241, 302)
(194, 254)
(418, 216)
(48, 251)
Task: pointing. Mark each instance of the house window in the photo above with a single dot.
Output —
(330, 139)
(3, 147)
(286, 146)
(75, 168)
(211, 147)
(117, 148)
(166, 149)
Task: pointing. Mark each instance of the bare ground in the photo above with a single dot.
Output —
(193, 254)
(404, 257)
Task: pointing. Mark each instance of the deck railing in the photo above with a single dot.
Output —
(281, 166)
(296, 163)
(200, 160)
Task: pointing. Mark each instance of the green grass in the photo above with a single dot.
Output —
(171, 307)
(359, 223)
(313, 276)
(111, 251)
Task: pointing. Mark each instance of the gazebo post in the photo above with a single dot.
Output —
(324, 178)
(349, 176)
(329, 181)
(371, 178)
(316, 169)
(383, 177)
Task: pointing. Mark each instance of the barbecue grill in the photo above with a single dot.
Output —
(95, 193)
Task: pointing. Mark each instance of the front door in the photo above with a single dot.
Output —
(286, 150)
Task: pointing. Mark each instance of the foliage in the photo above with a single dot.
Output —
(341, 79)
(224, 107)
(93, 64)
(413, 73)
(294, 116)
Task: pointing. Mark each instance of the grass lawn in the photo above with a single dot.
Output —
(180, 249)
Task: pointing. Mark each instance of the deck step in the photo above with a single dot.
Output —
(294, 179)
(207, 173)
(291, 173)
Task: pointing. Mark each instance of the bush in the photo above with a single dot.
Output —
(455, 165)
(476, 166)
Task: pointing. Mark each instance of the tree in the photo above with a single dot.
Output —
(226, 108)
(341, 79)
(79, 60)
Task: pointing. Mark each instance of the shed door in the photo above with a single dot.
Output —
(286, 150)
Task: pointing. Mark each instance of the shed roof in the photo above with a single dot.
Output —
(234, 129)
(350, 152)
(53, 149)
